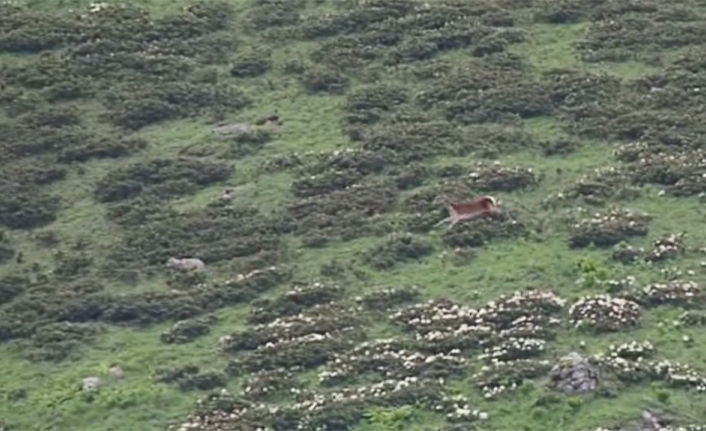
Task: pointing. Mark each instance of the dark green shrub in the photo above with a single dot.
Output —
(252, 63)
(128, 182)
(265, 14)
(397, 249)
(135, 106)
(12, 286)
(320, 80)
(26, 207)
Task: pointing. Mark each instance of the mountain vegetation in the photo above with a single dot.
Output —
(301, 151)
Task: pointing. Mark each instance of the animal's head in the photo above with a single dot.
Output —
(491, 200)
(172, 262)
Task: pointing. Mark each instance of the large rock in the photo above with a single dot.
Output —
(573, 375)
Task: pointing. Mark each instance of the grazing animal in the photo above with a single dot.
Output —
(186, 264)
(477, 207)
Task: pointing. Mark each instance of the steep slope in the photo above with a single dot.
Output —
(302, 150)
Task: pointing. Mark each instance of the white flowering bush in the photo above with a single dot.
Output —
(678, 292)
(605, 229)
(604, 313)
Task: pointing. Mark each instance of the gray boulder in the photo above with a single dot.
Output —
(231, 129)
(186, 264)
(573, 375)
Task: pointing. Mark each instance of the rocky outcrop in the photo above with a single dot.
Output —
(573, 375)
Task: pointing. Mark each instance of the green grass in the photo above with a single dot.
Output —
(553, 47)
(312, 123)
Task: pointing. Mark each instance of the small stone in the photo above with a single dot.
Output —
(91, 383)
(117, 372)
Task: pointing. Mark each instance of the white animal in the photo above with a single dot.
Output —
(186, 264)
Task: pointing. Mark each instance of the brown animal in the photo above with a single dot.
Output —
(477, 207)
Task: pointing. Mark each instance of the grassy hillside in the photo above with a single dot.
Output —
(132, 133)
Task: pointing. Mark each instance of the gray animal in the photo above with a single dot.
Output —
(186, 264)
